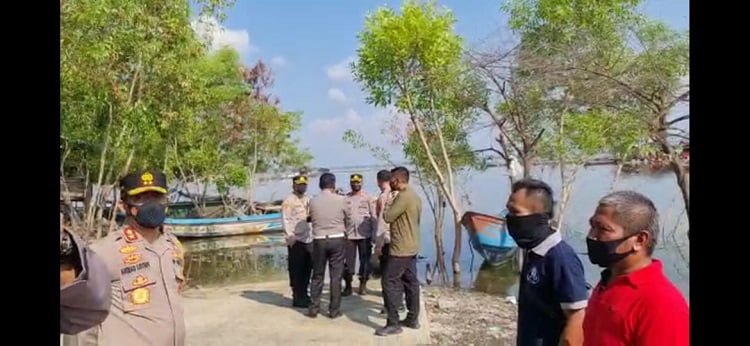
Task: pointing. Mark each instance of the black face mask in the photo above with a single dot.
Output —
(604, 253)
(530, 230)
(300, 189)
(151, 214)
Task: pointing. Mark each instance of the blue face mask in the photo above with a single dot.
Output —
(150, 214)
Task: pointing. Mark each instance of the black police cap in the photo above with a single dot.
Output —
(144, 181)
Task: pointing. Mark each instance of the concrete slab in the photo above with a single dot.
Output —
(262, 314)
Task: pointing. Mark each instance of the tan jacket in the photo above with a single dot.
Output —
(294, 213)
(364, 221)
(147, 277)
(384, 201)
(329, 215)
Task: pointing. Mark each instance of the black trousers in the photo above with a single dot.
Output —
(400, 278)
(384, 254)
(364, 247)
(329, 251)
(300, 268)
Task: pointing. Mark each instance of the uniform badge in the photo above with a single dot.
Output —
(127, 249)
(140, 281)
(533, 276)
(147, 178)
(132, 258)
(140, 296)
(130, 235)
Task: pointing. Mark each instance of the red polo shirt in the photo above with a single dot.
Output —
(640, 308)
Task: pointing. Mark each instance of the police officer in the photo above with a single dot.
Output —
(359, 238)
(330, 221)
(146, 267)
(85, 291)
(295, 215)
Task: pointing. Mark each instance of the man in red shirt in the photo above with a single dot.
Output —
(634, 303)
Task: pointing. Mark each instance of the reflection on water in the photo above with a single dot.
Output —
(232, 260)
(499, 280)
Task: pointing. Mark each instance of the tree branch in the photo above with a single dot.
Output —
(677, 120)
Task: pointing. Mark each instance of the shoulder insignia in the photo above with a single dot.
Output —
(140, 281)
(130, 235)
(140, 296)
(132, 258)
(127, 249)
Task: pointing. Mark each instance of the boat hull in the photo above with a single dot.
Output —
(488, 237)
(220, 227)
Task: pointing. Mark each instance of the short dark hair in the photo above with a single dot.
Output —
(327, 181)
(537, 189)
(635, 213)
(384, 175)
(401, 172)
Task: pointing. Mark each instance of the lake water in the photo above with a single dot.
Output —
(241, 259)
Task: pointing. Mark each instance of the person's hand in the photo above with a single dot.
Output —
(378, 251)
(290, 241)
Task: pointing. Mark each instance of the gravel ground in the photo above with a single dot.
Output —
(463, 317)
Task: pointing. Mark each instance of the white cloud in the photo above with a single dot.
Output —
(324, 136)
(341, 71)
(337, 95)
(279, 61)
(336, 125)
(218, 36)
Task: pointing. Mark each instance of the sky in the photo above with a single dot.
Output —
(310, 43)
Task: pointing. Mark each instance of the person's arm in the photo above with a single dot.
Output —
(396, 209)
(287, 221)
(573, 332)
(571, 292)
(374, 221)
(85, 301)
(662, 321)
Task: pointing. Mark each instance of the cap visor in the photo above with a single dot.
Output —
(140, 190)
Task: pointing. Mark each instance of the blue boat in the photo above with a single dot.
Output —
(225, 226)
(489, 237)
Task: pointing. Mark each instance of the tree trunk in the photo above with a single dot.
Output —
(683, 181)
(526, 160)
(439, 217)
(457, 250)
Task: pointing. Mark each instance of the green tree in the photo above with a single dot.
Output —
(609, 62)
(139, 89)
(125, 78)
(412, 61)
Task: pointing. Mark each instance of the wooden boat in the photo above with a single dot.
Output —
(488, 237)
(226, 226)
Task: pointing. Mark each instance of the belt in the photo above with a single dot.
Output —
(340, 235)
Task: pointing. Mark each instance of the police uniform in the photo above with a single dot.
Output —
(294, 214)
(330, 221)
(359, 237)
(146, 281)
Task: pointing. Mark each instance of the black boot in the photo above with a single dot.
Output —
(362, 288)
(347, 289)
